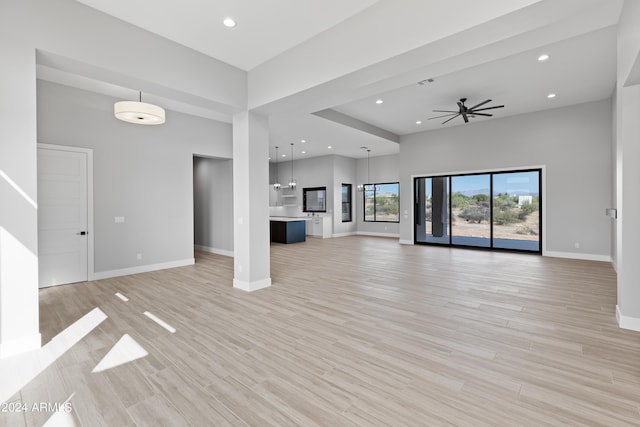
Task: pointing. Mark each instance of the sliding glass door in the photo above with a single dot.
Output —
(499, 210)
(432, 194)
(516, 217)
(470, 210)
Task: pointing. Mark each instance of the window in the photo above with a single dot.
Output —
(346, 202)
(314, 199)
(381, 202)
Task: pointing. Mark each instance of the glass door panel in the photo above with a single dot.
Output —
(516, 210)
(471, 210)
(432, 210)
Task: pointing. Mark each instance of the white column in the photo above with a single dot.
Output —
(628, 232)
(251, 202)
(19, 323)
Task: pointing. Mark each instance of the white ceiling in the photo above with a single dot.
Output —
(581, 67)
(264, 28)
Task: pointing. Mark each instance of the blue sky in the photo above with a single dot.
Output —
(511, 183)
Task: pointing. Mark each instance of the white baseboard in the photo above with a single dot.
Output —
(141, 269)
(627, 322)
(213, 250)
(350, 233)
(251, 286)
(375, 234)
(573, 255)
(406, 242)
(21, 345)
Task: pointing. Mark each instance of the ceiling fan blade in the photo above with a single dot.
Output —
(482, 114)
(489, 108)
(451, 118)
(444, 115)
(482, 103)
(445, 111)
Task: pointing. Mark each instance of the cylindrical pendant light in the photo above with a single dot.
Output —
(139, 112)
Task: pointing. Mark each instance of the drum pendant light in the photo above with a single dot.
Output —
(139, 112)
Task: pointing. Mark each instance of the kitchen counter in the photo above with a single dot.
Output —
(290, 218)
(288, 229)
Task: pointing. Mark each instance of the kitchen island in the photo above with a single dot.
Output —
(288, 229)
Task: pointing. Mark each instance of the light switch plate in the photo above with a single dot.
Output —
(119, 219)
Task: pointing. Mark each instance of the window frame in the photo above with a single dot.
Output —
(364, 200)
(304, 199)
(449, 177)
(349, 201)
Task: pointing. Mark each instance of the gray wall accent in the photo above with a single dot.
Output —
(383, 169)
(144, 173)
(574, 143)
(213, 203)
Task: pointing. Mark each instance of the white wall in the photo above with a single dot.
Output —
(213, 205)
(143, 173)
(574, 145)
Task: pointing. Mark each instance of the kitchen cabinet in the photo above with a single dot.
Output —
(320, 226)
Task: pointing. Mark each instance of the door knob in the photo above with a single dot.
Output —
(82, 233)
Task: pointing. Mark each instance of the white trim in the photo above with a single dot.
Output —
(573, 255)
(143, 269)
(376, 234)
(20, 345)
(90, 228)
(213, 250)
(406, 242)
(614, 264)
(627, 322)
(347, 234)
(251, 286)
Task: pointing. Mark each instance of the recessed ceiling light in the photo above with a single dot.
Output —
(551, 95)
(303, 152)
(284, 155)
(543, 57)
(229, 22)
(379, 101)
(419, 122)
(329, 147)
(303, 141)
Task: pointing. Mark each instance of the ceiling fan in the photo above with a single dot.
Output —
(465, 111)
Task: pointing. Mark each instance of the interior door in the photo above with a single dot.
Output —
(62, 217)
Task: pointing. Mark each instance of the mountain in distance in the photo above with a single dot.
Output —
(471, 193)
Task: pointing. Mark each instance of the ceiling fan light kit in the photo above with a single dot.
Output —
(465, 112)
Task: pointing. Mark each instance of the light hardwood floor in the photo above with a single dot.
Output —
(355, 331)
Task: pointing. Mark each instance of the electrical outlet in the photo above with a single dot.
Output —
(139, 256)
(576, 245)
